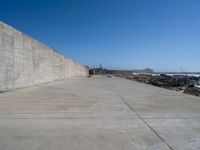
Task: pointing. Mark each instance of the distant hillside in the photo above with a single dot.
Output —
(147, 70)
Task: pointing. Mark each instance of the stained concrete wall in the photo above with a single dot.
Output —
(26, 62)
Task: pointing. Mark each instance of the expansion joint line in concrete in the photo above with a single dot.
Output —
(138, 115)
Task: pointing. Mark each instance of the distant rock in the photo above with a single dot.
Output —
(147, 70)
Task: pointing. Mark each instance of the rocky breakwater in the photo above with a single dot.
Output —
(176, 82)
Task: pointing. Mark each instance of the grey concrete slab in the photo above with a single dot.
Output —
(77, 134)
(98, 113)
(181, 134)
(153, 102)
(65, 99)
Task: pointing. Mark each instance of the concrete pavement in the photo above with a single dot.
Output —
(98, 113)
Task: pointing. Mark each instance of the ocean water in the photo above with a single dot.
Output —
(197, 85)
(194, 75)
(171, 74)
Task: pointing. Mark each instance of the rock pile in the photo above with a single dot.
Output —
(192, 91)
(176, 82)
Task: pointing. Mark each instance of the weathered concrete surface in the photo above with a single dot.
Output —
(26, 62)
(98, 113)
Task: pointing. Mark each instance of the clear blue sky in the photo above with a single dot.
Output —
(120, 34)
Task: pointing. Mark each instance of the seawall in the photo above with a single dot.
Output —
(26, 62)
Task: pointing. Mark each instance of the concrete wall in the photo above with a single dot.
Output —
(26, 62)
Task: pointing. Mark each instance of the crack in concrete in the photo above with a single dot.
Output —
(138, 115)
(131, 108)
